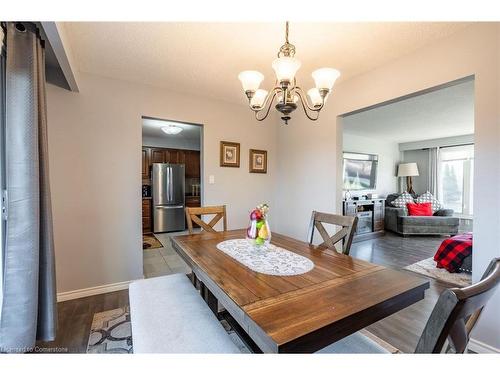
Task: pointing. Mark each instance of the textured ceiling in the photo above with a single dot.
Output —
(205, 58)
(443, 113)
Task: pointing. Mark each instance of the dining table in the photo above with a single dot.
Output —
(324, 298)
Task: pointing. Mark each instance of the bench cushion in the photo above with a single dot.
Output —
(169, 316)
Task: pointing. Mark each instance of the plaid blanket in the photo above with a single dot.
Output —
(453, 251)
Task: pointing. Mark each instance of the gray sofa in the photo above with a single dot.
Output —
(441, 223)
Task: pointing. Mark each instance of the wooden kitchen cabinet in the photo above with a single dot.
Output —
(193, 201)
(197, 164)
(181, 156)
(145, 162)
(147, 216)
(192, 162)
(190, 158)
(159, 155)
(171, 156)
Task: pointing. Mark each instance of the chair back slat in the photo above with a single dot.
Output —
(345, 234)
(456, 312)
(193, 214)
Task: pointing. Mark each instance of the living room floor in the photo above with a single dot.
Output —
(401, 329)
(396, 251)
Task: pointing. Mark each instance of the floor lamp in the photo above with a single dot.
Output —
(408, 170)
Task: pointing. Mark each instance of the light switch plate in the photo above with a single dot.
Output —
(211, 179)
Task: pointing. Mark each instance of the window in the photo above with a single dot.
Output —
(456, 171)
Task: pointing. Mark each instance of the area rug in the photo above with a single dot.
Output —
(428, 268)
(149, 241)
(111, 333)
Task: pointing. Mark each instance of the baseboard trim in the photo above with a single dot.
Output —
(482, 348)
(86, 292)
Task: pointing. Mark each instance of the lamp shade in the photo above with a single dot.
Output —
(286, 68)
(407, 169)
(315, 97)
(250, 80)
(258, 99)
(325, 78)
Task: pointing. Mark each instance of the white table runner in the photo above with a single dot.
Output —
(267, 259)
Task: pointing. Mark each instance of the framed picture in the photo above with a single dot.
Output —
(258, 161)
(229, 154)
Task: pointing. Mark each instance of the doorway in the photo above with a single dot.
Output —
(423, 144)
(172, 167)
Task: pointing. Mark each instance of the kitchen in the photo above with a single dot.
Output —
(171, 181)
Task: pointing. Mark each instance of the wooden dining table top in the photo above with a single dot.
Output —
(301, 313)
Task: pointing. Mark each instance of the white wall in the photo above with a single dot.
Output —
(95, 140)
(309, 160)
(171, 142)
(421, 157)
(388, 159)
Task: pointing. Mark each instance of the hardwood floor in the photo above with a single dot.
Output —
(75, 318)
(401, 330)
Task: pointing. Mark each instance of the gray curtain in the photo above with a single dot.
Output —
(29, 293)
(433, 170)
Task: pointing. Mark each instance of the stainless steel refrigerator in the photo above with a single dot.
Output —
(168, 197)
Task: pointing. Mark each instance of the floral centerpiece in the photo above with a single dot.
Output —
(258, 231)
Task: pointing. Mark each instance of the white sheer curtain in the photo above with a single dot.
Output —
(434, 171)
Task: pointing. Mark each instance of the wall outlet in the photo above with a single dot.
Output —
(211, 179)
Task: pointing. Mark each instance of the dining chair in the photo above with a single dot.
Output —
(455, 314)
(348, 224)
(193, 214)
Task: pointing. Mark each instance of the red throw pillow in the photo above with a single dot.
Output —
(419, 209)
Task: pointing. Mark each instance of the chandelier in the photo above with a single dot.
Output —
(286, 91)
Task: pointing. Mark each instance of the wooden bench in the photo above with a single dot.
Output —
(169, 316)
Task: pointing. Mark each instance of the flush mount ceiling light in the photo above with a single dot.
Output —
(286, 89)
(171, 129)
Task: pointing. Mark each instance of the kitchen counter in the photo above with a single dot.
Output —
(146, 198)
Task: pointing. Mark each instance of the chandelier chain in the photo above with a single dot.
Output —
(287, 49)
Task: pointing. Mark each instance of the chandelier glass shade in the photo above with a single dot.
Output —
(286, 91)
(251, 80)
(315, 97)
(286, 68)
(258, 99)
